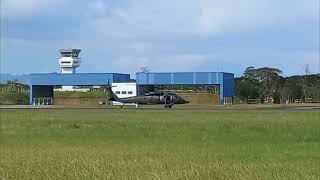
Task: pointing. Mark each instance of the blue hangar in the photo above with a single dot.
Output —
(42, 85)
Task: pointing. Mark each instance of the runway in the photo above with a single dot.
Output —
(291, 107)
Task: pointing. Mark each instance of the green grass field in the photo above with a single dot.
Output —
(159, 144)
(14, 98)
(77, 95)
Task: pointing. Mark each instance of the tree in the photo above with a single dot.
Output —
(291, 89)
(268, 80)
(246, 89)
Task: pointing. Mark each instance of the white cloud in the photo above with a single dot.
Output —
(167, 19)
(220, 16)
(168, 35)
(143, 27)
(99, 8)
(19, 9)
(161, 63)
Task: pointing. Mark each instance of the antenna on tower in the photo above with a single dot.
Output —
(145, 69)
(307, 69)
(319, 62)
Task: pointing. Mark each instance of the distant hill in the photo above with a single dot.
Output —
(24, 79)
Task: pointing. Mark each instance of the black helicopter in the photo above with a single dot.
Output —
(168, 99)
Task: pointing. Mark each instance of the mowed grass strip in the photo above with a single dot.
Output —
(159, 144)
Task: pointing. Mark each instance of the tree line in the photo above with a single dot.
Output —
(266, 85)
(14, 86)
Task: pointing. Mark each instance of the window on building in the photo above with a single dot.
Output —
(117, 92)
(123, 92)
(66, 54)
(130, 92)
(74, 55)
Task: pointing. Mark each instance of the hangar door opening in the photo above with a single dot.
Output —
(195, 94)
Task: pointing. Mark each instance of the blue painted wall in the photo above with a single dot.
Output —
(83, 79)
(229, 85)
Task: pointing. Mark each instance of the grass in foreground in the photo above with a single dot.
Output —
(159, 144)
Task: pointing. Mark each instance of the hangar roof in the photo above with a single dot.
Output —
(182, 77)
(78, 79)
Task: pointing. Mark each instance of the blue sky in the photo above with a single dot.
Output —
(166, 35)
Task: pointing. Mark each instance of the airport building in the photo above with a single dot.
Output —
(42, 86)
(207, 82)
(68, 62)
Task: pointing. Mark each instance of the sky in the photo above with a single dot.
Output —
(167, 35)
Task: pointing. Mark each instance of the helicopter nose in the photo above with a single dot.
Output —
(185, 101)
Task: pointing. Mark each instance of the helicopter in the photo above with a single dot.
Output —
(167, 99)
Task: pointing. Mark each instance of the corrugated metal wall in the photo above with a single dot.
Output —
(83, 79)
(183, 78)
(229, 85)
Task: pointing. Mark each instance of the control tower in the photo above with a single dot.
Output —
(69, 60)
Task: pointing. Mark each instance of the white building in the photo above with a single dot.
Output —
(124, 90)
(68, 62)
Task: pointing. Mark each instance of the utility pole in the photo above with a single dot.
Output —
(304, 83)
(318, 38)
(307, 69)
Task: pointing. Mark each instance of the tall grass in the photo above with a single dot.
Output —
(159, 144)
(10, 98)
